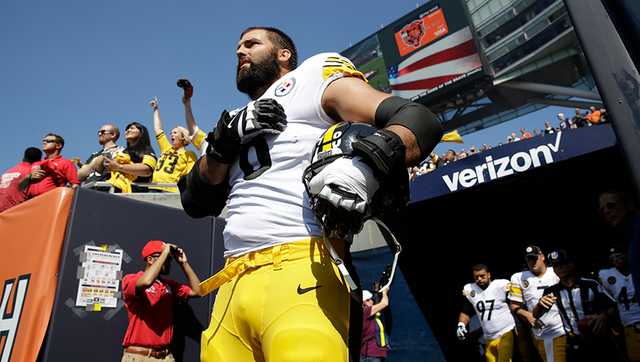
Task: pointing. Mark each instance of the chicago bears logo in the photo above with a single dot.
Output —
(473, 293)
(611, 280)
(412, 33)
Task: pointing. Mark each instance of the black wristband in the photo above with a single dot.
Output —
(198, 197)
(382, 151)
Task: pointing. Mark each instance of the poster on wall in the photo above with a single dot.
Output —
(99, 277)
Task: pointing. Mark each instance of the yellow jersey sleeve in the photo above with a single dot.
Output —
(163, 142)
(149, 160)
(339, 65)
(198, 137)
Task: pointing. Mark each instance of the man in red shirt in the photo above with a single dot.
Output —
(54, 171)
(14, 182)
(374, 347)
(150, 299)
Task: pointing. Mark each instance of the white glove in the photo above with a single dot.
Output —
(346, 183)
(461, 332)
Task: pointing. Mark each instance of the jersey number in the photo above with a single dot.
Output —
(623, 298)
(481, 307)
(171, 164)
(262, 154)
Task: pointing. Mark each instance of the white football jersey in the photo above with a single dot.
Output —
(492, 307)
(527, 288)
(268, 203)
(620, 286)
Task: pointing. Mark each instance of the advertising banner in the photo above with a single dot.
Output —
(32, 234)
(511, 159)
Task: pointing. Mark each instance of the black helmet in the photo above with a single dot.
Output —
(391, 197)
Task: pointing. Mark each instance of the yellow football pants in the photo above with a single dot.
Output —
(552, 350)
(632, 340)
(500, 349)
(286, 303)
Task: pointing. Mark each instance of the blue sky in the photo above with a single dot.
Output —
(69, 66)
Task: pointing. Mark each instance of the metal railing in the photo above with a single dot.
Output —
(104, 184)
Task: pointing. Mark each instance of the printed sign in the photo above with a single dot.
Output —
(99, 276)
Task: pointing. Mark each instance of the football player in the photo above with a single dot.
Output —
(280, 295)
(526, 290)
(617, 281)
(488, 300)
(585, 308)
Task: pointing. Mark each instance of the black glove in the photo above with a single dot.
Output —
(264, 116)
(224, 143)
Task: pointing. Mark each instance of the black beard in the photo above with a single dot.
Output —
(258, 77)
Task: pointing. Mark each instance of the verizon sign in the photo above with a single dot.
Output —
(504, 166)
(511, 160)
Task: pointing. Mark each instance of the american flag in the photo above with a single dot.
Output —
(434, 65)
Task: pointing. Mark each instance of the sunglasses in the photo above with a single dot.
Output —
(49, 141)
(102, 131)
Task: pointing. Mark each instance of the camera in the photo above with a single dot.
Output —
(383, 279)
(184, 83)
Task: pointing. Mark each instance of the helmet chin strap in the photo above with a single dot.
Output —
(339, 262)
(390, 240)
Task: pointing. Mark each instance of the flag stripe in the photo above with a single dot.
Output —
(427, 83)
(459, 51)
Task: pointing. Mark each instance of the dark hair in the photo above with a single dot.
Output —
(142, 146)
(281, 40)
(32, 154)
(58, 138)
(479, 267)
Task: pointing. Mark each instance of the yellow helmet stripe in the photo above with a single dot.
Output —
(328, 138)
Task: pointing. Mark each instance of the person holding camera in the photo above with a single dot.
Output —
(586, 311)
(150, 297)
(374, 345)
(175, 161)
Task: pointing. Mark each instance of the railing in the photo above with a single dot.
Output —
(104, 184)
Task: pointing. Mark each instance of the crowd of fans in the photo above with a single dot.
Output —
(133, 167)
(561, 308)
(581, 119)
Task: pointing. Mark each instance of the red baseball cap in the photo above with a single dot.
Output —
(153, 246)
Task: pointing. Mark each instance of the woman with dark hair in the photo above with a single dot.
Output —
(135, 163)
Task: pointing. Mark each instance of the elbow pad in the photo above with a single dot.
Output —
(199, 198)
(414, 116)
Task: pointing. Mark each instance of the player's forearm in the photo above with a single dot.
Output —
(538, 310)
(413, 153)
(194, 281)
(212, 171)
(463, 318)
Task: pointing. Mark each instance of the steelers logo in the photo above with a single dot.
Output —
(611, 280)
(473, 293)
(525, 284)
(285, 87)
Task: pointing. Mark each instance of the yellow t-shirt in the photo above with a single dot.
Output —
(172, 164)
(123, 180)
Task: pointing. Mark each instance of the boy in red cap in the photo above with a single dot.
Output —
(150, 299)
